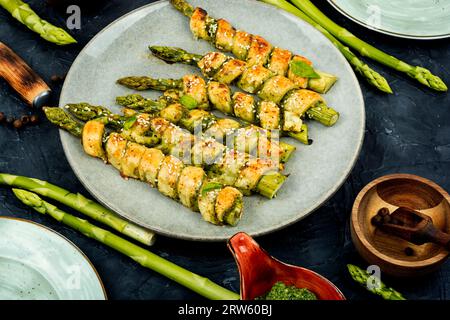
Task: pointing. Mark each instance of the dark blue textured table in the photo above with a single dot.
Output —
(406, 132)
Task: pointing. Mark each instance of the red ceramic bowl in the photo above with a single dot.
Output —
(259, 272)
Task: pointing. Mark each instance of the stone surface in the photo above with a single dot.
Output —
(406, 132)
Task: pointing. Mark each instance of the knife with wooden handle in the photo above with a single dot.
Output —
(22, 78)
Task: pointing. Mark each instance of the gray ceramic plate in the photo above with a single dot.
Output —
(316, 172)
(413, 19)
(37, 263)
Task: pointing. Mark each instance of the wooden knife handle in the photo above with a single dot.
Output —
(21, 77)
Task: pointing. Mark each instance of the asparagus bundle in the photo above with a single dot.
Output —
(230, 167)
(424, 76)
(193, 120)
(196, 283)
(82, 205)
(256, 50)
(295, 103)
(188, 184)
(372, 77)
(23, 13)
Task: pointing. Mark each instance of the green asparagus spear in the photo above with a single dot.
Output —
(146, 83)
(138, 102)
(82, 205)
(196, 283)
(89, 111)
(421, 74)
(373, 77)
(22, 12)
(62, 120)
(361, 276)
(183, 7)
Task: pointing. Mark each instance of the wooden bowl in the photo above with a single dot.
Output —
(393, 255)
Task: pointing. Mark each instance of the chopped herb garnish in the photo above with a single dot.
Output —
(188, 102)
(302, 69)
(129, 122)
(210, 186)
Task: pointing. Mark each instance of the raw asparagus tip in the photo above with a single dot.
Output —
(425, 77)
(136, 83)
(174, 55)
(373, 77)
(28, 198)
(54, 113)
(183, 7)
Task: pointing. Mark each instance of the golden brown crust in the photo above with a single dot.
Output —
(259, 51)
(195, 87)
(241, 44)
(279, 61)
(253, 78)
(198, 24)
(189, 184)
(276, 88)
(224, 35)
(159, 125)
(92, 139)
(244, 106)
(301, 100)
(173, 112)
(230, 71)
(168, 175)
(206, 151)
(225, 201)
(220, 96)
(132, 159)
(211, 62)
(253, 172)
(269, 115)
(115, 150)
(150, 165)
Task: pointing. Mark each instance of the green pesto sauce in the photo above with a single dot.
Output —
(280, 291)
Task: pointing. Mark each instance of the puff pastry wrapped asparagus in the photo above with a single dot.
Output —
(286, 115)
(226, 166)
(190, 185)
(170, 106)
(254, 49)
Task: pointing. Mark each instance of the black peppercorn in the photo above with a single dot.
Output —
(34, 119)
(383, 212)
(25, 119)
(57, 78)
(409, 251)
(18, 124)
(10, 120)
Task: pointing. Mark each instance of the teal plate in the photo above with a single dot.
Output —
(37, 263)
(412, 19)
